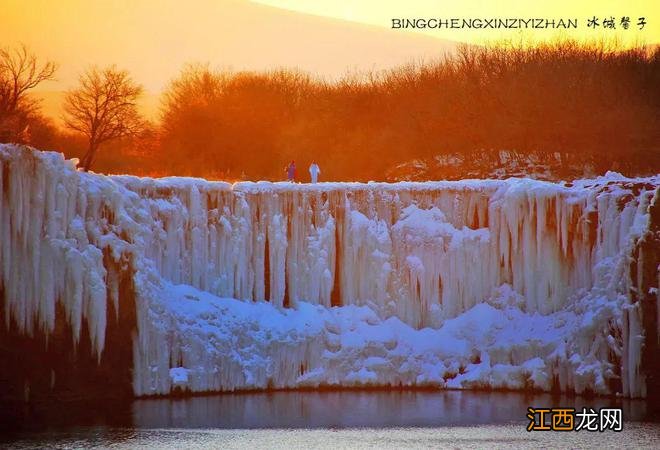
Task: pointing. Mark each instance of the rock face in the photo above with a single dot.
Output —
(152, 286)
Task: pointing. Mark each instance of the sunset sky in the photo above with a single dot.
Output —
(153, 39)
(380, 13)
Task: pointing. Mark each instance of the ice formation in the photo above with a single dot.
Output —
(502, 283)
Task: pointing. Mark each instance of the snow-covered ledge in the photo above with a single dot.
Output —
(515, 283)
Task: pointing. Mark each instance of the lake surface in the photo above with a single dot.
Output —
(335, 419)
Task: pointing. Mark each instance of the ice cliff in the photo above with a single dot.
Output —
(517, 283)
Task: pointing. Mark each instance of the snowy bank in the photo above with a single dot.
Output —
(478, 283)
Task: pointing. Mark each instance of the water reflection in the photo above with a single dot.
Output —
(369, 419)
(350, 409)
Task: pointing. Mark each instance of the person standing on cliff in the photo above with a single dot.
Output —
(314, 172)
(291, 171)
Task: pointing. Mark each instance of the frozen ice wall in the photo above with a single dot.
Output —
(421, 251)
(427, 255)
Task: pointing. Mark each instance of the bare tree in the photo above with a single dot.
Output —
(103, 107)
(19, 72)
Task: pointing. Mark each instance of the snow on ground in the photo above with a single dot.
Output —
(492, 344)
(552, 167)
(480, 283)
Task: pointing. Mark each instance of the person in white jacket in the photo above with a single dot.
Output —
(314, 172)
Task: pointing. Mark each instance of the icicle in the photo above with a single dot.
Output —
(419, 253)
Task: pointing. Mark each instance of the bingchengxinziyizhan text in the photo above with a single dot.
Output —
(519, 23)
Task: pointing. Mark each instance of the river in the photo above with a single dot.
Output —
(326, 419)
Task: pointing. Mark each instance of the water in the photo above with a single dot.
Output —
(338, 419)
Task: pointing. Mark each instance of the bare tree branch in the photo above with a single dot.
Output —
(103, 108)
(19, 72)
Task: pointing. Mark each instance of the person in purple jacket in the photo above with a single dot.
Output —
(291, 171)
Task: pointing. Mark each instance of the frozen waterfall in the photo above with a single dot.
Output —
(501, 283)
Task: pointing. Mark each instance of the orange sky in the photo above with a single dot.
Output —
(153, 39)
(380, 13)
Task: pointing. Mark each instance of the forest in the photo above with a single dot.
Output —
(574, 107)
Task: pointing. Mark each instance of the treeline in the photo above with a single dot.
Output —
(576, 105)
